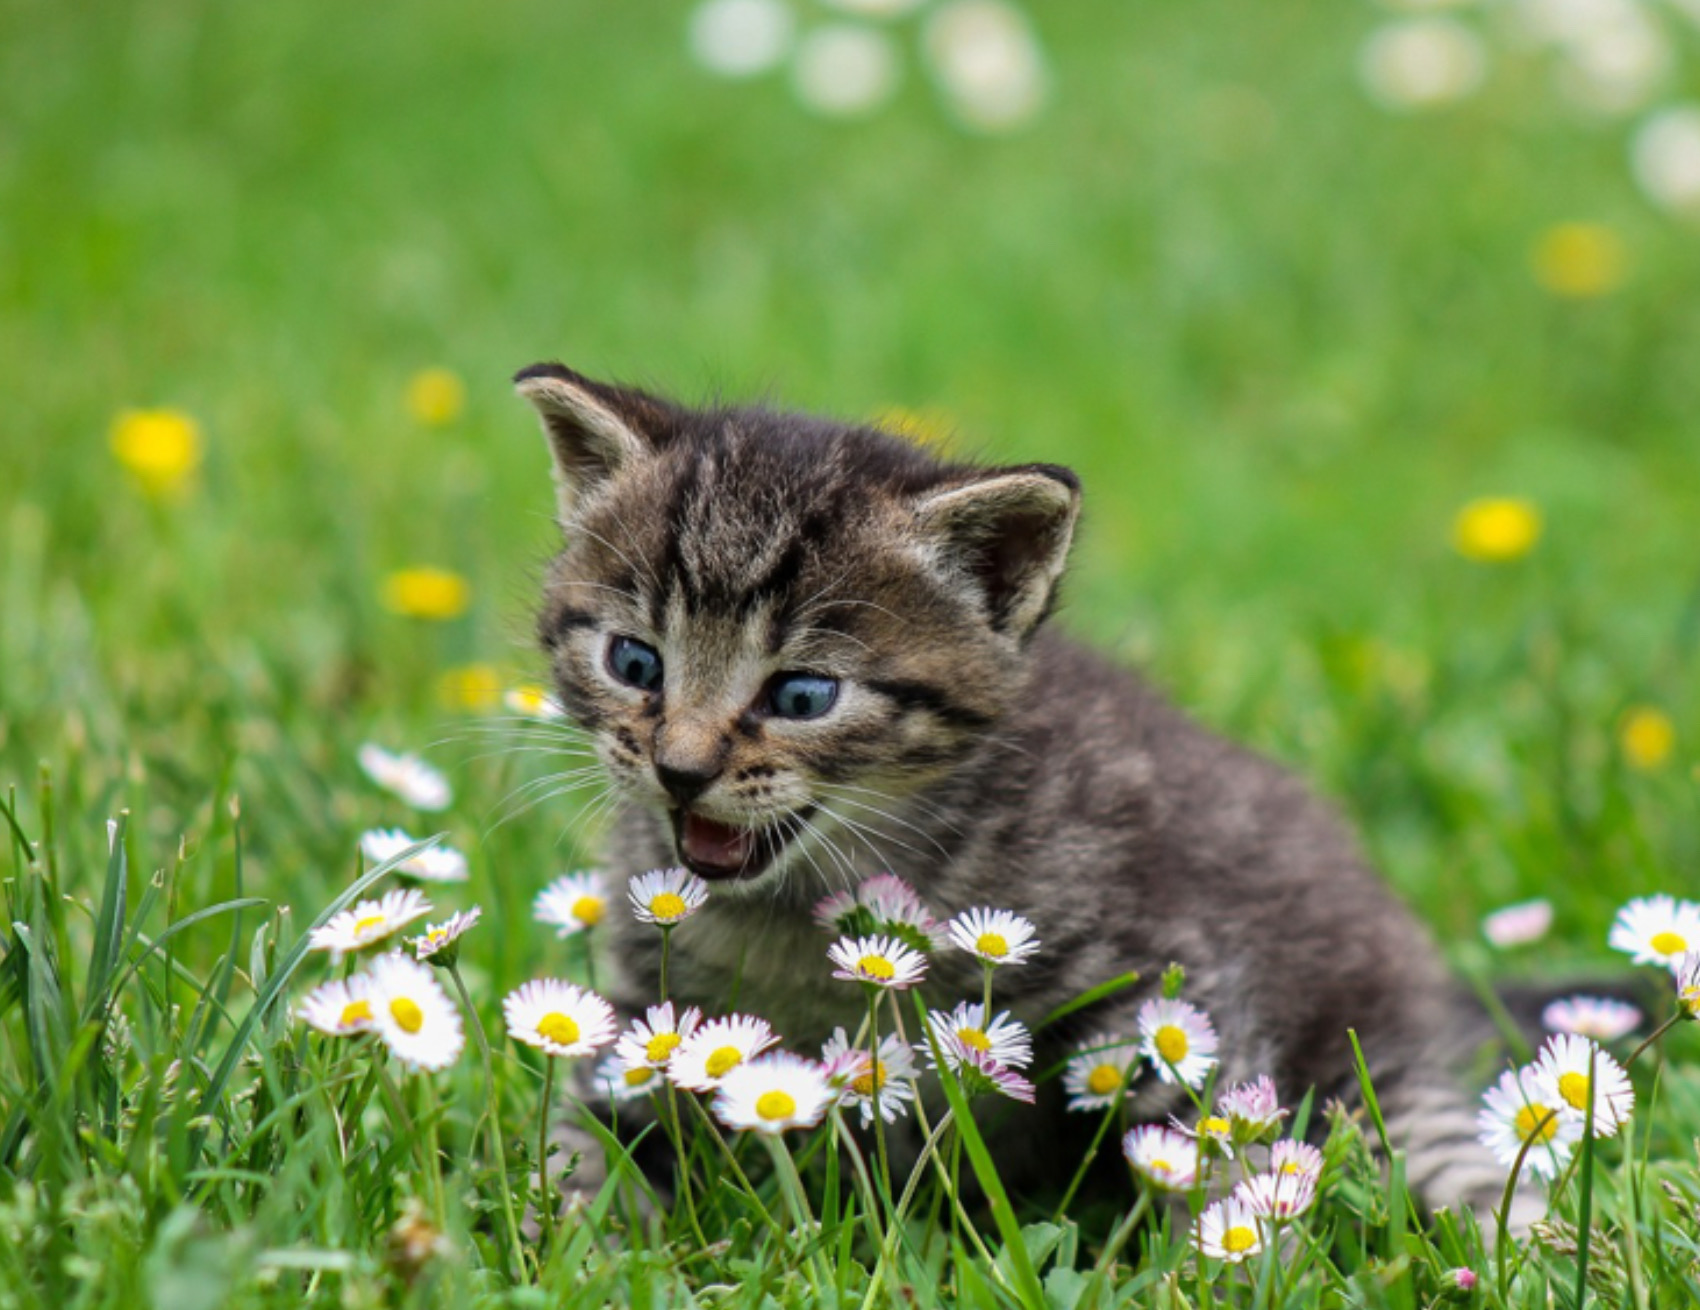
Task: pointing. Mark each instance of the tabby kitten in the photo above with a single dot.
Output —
(807, 652)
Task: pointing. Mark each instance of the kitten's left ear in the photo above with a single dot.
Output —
(594, 430)
(1006, 535)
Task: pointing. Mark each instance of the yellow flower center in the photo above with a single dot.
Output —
(407, 1014)
(1536, 1123)
(354, 1012)
(722, 1062)
(371, 923)
(1290, 1167)
(1214, 1125)
(1647, 736)
(470, 687)
(975, 1038)
(775, 1105)
(1171, 1043)
(1103, 1080)
(588, 910)
(639, 1076)
(1573, 1087)
(1669, 943)
(869, 1083)
(668, 905)
(435, 935)
(660, 1046)
(1237, 1241)
(435, 397)
(427, 593)
(1162, 1167)
(992, 944)
(160, 447)
(1496, 530)
(558, 1028)
(876, 966)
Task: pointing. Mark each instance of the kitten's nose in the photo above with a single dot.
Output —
(684, 784)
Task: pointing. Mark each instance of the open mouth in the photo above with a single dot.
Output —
(721, 852)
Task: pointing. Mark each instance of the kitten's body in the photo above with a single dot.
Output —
(984, 761)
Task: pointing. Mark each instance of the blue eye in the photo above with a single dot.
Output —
(802, 695)
(634, 663)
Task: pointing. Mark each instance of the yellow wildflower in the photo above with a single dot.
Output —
(925, 427)
(435, 397)
(474, 687)
(1579, 260)
(1496, 529)
(160, 447)
(427, 593)
(1646, 736)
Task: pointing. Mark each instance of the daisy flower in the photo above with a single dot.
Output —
(1096, 1071)
(1657, 929)
(439, 942)
(1519, 924)
(413, 1014)
(1278, 1197)
(1295, 1158)
(776, 1092)
(1253, 1107)
(558, 1018)
(433, 864)
(339, 1008)
(1161, 1156)
(883, 905)
(716, 1048)
(1564, 1062)
(572, 903)
(996, 936)
(1592, 1016)
(882, 961)
(1525, 1107)
(533, 702)
(406, 776)
(1229, 1230)
(965, 1029)
(1212, 1132)
(861, 1081)
(1178, 1039)
(623, 1082)
(650, 1042)
(665, 897)
(984, 1075)
(1687, 974)
(368, 923)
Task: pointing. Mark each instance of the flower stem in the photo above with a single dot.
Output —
(492, 1116)
(875, 1081)
(1657, 1033)
(676, 1131)
(666, 952)
(545, 1201)
(1118, 1239)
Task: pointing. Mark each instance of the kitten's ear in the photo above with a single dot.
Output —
(1006, 534)
(594, 430)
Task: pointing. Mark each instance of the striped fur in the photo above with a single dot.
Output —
(982, 759)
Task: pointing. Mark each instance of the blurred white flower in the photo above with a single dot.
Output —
(987, 63)
(407, 776)
(844, 70)
(875, 8)
(1519, 924)
(1665, 158)
(1419, 63)
(740, 38)
(433, 864)
(1601, 1018)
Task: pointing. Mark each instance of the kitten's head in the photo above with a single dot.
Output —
(769, 623)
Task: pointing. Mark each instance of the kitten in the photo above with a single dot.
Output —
(807, 652)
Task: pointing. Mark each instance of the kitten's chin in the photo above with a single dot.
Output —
(722, 852)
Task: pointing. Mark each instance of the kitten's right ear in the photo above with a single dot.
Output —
(594, 430)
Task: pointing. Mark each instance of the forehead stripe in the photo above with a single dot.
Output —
(931, 700)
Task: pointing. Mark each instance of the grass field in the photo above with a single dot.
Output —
(1285, 335)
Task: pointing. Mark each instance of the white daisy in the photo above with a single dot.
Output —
(996, 936)
(438, 942)
(665, 897)
(1253, 1107)
(533, 702)
(1687, 974)
(368, 923)
(1519, 924)
(623, 1082)
(1525, 1107)
(650, 1042)
(1598, 1017)
(1564, 1062)
(433, 864)
(1214, 1133)
(884, 905)
(572, 903)
(1298, 1158)
(406, 776)
(413, 1014)
(882, 961)
(339, 1008)
(776, 1092)
(984, 1075)
(1004, 1039)
(716, 1048)
(1229, 1230)
(1657, 929)
(1178, 1039)
(558, 1018)
(861, 1081)
(1161, 1156)
(1278, 1196)
(1096, 1071)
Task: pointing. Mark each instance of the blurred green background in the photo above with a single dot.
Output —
(1285, 312)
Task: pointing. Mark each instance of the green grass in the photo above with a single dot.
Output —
(1282, 334)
